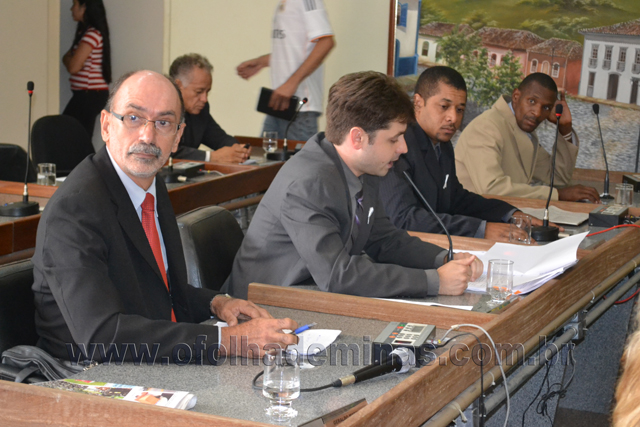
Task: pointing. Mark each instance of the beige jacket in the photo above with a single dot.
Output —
(494, 156)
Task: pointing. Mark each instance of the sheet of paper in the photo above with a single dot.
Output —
(313, 341)
(533, 265)
(459, 307)
(557, 215)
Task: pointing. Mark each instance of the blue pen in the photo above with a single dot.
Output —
(304, 328)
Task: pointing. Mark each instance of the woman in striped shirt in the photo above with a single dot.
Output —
(89, 62)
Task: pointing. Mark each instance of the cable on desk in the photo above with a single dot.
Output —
(336, 383)
(613, 228)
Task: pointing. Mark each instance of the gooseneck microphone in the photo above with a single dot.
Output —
(25, 207)
(546, 232)
(404, 166)
(402, 359)
(285, 147)
(605, 195)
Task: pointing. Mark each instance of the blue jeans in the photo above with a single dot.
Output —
(302, 129)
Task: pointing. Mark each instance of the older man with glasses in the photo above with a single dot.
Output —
(109, 274)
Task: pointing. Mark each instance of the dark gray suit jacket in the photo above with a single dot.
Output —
(300, 234)
(201, 129)
(460, 210)
(96, 280)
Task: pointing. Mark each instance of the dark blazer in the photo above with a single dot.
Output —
(96, 280)
(301, 233)
(461, 211)
(202, 129)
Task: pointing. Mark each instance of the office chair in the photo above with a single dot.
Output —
(211, 238)
(13, 160)
(61, 140)
(17, 312)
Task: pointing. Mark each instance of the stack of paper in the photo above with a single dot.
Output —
(533, 266)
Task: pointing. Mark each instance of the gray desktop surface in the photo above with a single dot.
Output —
(226, 390)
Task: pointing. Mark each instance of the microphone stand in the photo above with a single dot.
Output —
(546, 232)
(605, 195)
(285, 148)
(424, 201)
(25, 207)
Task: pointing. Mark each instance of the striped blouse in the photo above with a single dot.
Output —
(90, 76)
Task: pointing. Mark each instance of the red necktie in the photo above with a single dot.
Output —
(149, 225)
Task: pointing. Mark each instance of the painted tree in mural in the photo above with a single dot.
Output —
(430, 13)
(484, 83)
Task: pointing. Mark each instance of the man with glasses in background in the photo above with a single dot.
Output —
(109, 273)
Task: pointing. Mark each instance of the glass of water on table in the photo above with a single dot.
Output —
(269, 141)
(499, 280)
(281, 382)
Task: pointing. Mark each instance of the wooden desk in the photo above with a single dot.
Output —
(410, 403)
(18, 235)
(257, 142)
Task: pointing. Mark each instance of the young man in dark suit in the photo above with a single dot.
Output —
(109, 270)
(321, 221)
(439, 103)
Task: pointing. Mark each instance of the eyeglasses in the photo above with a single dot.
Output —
(163, 127)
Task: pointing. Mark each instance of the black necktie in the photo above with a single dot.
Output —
(438, 152)
(359, 216)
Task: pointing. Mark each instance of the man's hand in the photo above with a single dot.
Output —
(565, 119)
(578, 192)
(256, 333)
(456, 274)
(249, 68)
(234, 154)
(280, 98)
(228, 309)
(499, 232)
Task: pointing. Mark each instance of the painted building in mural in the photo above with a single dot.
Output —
(559, 58)
(499, 41)
(429, 36)
(611, 62)
(407, 23)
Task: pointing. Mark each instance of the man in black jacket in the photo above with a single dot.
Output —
(439, 103)
(192, 74)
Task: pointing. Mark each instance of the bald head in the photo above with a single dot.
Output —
(143, 124)
(137, 75)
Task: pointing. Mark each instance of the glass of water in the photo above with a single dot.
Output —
(269, 141)
(499, 280)
(520, 229)
(46, 174)
(281, 382)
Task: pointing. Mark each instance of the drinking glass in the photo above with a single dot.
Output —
(269, 141)
(518, 225)
(46, 174)
(624, 194)
(281, 383)
(499, 280)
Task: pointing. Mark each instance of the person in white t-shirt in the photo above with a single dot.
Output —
(301, 40)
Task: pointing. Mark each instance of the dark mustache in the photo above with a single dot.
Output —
(145, 149)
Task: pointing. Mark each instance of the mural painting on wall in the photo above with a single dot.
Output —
(591, 48)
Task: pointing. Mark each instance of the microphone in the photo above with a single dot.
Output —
(25, 207)
(285, 147)
(402, 163)
(402, 359)
(605, 195)
(545, 232)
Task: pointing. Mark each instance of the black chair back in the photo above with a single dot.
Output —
(13, 160)
(211, 238)
(17, 308)
(61, 140)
